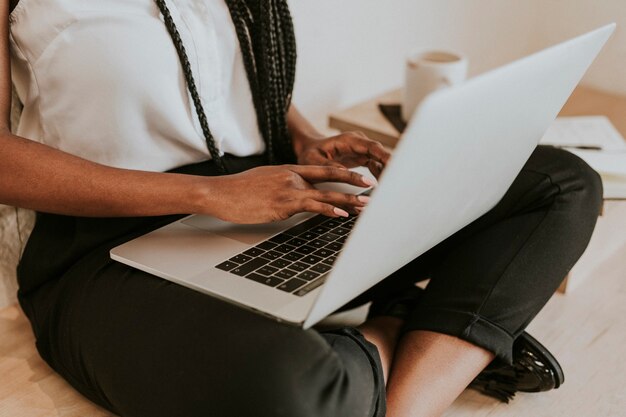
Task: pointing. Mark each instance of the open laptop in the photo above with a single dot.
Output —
(460, 153)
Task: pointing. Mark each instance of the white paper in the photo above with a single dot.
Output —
(584, 131)
(613, 163)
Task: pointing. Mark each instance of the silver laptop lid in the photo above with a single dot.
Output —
(460, 153)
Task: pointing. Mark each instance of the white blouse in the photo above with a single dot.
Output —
(101, 79)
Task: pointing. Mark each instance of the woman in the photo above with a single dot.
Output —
(118, 92)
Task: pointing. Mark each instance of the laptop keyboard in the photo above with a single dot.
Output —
(298, 259)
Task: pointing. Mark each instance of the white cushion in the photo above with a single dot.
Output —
(15, 227)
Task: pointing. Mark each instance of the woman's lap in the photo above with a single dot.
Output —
(144, 346)
(140, 346)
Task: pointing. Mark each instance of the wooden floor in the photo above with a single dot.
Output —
(586, 329)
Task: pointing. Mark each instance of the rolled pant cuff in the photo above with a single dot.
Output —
(467, 326)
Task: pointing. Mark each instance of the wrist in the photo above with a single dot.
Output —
(301, 130)
(201, 195)
(301, 140)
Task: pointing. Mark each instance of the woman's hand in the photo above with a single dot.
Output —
(347, 150)
(272, 193)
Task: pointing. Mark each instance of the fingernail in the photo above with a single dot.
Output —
(369, 181)
(363, 199)
(340, 212)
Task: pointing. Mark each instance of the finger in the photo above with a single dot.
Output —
(322, 159)
(375, 167)
(337, 199)
(316, 174)
(331, 163)
(312, 206)
(361, 145)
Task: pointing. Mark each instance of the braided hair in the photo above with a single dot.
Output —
(267, 41)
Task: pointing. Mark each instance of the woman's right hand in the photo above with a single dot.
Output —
(271, 193)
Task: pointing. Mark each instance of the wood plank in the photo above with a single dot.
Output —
(29, 387)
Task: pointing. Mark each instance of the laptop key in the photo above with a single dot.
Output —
(271, 281)
(286, 274)
(336, 246)
(320, 230)
(291, 285)
(267, 245)
(306, 249)
(240, 259)
(253, 252)
(284, 248)
(226, 266)
(311, 259)
(293, 256)
(310, 287)
(308, 275)
(308, 235)
(281, 238)
(298, 266)
(267, 270)
(321, 268)
(341, 231)
(329, 236)
(324, 253)
(330, 260)
(271, 255)
(342, 239)
(296, 241)
(318, 243)
(280, 263)
(245, 269)
(332, 223)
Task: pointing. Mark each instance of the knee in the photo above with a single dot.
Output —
(582, 182)
(580, 186)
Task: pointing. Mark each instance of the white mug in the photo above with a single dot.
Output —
(427, 72)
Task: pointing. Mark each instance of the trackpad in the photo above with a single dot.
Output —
(246, 233)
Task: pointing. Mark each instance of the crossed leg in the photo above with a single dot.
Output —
(488, 281)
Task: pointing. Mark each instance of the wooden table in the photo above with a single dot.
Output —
(366, 117)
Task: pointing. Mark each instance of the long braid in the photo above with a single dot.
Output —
(288, 39)
(267, 41)
(272, 64)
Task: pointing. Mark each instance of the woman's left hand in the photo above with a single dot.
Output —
(347, 150)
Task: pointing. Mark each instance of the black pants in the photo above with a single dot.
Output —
(142, 346)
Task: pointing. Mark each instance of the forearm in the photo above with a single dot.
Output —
(301, 129)
(41, 178)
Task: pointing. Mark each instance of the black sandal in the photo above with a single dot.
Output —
(534, 368)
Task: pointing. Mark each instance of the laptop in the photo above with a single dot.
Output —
(460, 153)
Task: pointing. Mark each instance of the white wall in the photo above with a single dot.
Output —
(560, 19)
(350, 50)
